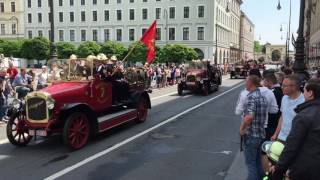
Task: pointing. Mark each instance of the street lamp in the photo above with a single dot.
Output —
(166, 25)
(287, 62)
(53, 52)
(299, 65)
(216, 51)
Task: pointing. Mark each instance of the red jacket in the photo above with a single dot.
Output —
(12, 72)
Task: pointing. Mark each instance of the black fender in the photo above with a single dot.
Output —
(136, 95)
(73, 107)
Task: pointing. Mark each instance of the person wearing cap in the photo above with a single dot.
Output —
(301, 155)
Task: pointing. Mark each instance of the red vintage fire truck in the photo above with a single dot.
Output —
(76, 106)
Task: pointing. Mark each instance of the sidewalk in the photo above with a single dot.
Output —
(237, 170)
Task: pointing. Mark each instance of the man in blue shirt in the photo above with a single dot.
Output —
(252, 127)
(20, 83)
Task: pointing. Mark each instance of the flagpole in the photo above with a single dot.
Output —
(131, 50)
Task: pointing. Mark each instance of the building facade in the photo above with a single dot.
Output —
(188, 22)
(11, 19)
(312, 33)
(235, 30)
(246, 38)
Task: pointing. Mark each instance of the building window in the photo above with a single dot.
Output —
(106, 15)
(200, 33)
(200, 11)
(131, 14)
(60, 16)
(29, 18)
(95, 35)
(3, 29)
(72, 35)
(119, 35)
(71, 2)
(106, 1)
(13, 7)
(60, 3)
(158, 13)
(83, 2)
(119, 1)
(186, 12)
(131, 34)
(61, 35)
(172, 12)
(29, 4)
(83, 16)
(143, 30)
(14, 28)
(131, 1)
(145, 1)
(172, 34)
(106, 35)
(158, 31)
(39, 17)
(119, 15)
(94, 16)
(39, 3)
(1, 7)
(71, 16)
(30, 34)
(94, 2)
(83, 35)
(40, 33)
(186, 33)
(144, 14)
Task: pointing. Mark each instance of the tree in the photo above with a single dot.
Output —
(11, 48)
(37, 48)
(257, 46)
(111, 48)
(139, 54)
(88, 48)
(177, 53)
(65, 49)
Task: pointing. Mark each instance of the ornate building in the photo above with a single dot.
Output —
(11, 19)
(312, 32)
(246, 37)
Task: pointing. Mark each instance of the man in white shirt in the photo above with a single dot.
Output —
(291, 99)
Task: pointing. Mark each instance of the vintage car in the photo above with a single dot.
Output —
(75, 107)
(238, 71)
(200, 76)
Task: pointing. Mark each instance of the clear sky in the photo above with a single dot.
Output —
(267, 19)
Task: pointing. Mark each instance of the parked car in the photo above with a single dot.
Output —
(75, 107)
(200, 76)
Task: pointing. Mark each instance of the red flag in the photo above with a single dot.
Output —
(149, 39)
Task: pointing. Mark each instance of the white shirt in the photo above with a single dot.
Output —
(287, 108)
(266, 93)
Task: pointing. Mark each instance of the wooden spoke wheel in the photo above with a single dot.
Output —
(17, 130)
(142, 110)
(76, 131)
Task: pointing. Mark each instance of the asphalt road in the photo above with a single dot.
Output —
(181, 139)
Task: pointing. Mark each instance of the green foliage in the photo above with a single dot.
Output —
(177, 53)
(12, 48)
(37, 48)
(139, 54)
(65, 49)
(257, 46)
(88, 48)
(111, 48)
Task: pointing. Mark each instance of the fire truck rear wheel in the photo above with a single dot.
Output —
(76, 130)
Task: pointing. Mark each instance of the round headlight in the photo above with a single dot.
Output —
(50, 103)
(16, 103)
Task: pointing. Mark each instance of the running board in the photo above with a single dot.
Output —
(111, 120)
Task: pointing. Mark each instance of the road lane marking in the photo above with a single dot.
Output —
(126, 141)
(165, 95)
